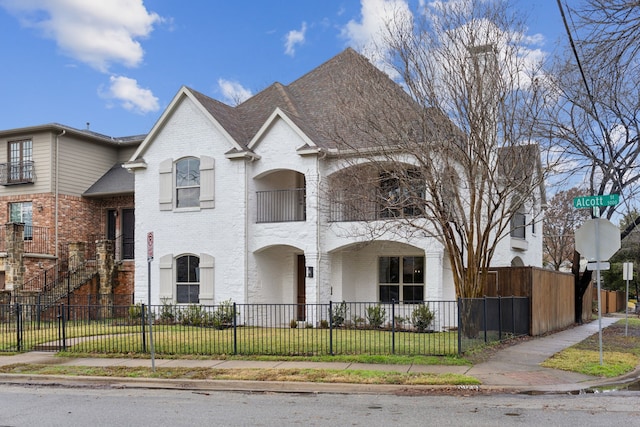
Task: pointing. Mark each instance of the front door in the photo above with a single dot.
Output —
(128, 238)
(301, 283)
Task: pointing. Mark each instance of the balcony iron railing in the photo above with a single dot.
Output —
(344, 209)
(36, 240)
(17, 172)
(281, 205)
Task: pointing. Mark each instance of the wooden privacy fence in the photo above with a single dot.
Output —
(611, 301)
(551, 294)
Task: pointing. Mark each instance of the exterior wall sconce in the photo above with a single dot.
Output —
(310, 272)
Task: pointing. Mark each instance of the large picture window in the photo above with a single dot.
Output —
(188, 183)
(401, 279)
(188, 279)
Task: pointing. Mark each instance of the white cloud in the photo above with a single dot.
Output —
(368, 35)
(131, 96)
(293, 38)
(98, 33)
(233, 92)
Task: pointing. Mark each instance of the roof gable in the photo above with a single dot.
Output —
(330, 103)
(206, 109)
(279, 115)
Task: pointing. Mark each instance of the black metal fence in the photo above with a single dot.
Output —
(429, 328)
(491, 319)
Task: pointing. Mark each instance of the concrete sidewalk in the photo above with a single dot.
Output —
(518, 366)
(515, 368)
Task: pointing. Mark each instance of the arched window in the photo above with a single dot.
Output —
(188, 279)
(188, 182)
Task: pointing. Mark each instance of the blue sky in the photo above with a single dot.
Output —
(118, 63)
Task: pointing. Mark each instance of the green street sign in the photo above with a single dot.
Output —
(588, 202)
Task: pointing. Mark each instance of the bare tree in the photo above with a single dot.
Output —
(595, 116)
(452, 157)
(561, 220)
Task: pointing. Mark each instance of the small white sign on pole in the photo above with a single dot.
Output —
(627, 274)
(627, 271)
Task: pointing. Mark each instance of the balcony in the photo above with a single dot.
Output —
(37, 240)
(281, 205)
(17, 172)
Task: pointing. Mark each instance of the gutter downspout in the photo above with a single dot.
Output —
(318, 234)
(57, 191)
(246, 229)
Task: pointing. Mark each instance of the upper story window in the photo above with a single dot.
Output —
(188, 182)
(402, 194)
(518, 225)
(19, 167)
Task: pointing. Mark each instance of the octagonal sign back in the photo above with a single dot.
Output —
(609, 239)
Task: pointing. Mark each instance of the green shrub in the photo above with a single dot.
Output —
(293, 323)
(194, 315)
(375, 315)
(324, 324)
(339, 314)
(358, 321)
(167, 312)
(223, 317)
(421, 318)
(135, 311)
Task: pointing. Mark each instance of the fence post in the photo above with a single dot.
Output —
(68, 295)
(330, 328)
(460, 330)
(38, 309)
(18, 327)
(235, 331)
(144, 332)
(513, 315)
(484, 305)
(64, 334)
(499, 318)
(393, 326)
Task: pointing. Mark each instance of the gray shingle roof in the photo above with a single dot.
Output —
(333, 102)
(116, 181)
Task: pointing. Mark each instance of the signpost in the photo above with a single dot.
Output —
(150, 316)
(590, 243)
(627, 274)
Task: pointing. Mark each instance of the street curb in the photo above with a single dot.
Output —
(297, 387)
(244, 386)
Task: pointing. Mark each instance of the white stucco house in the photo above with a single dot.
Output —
(236, 200)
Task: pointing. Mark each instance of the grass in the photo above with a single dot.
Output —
(190, 340)
(296, 375)
(620, 353)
